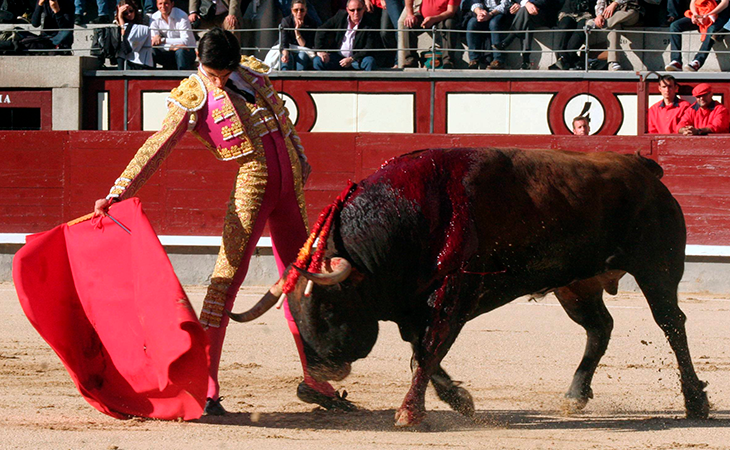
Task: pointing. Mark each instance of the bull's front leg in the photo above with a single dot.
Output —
(448, 315)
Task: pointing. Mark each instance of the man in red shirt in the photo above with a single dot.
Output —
(424, 14)
(705, 116)
(665, 115)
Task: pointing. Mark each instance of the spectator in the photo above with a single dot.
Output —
(136, 45)
(581, 126)
(55, 14)
(528, 15)
(424, 14)
(664, 116)
(285, 6)
(300, 34)
(171, 29)
(352, 37)
(615, 15)
(388, 38)
(705, 116)
(217, 13)
(572, 18)
(704, 15)
(483, 15)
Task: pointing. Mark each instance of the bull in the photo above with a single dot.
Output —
(437, 237)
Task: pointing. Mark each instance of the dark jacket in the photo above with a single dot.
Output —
(548, 9)
(44, 17)
(308, 30)
(364, 42)
(579, 6)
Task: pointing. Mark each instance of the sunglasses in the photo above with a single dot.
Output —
(355, 9)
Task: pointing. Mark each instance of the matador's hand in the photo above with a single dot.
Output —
(101, 207)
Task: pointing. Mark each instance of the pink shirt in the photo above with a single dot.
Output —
(349, 39)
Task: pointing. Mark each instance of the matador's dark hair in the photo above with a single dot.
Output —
(220, 50)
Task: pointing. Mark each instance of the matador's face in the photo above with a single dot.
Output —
(219, 78)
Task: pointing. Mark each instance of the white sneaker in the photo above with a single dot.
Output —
(674, 66)
(614, 66)
(694, 66)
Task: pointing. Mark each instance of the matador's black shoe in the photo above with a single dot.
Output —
(338, 402)
(214, 407)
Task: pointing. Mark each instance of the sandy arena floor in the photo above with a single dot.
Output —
(517, 362)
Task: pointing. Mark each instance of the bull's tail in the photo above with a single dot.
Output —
(650, 164)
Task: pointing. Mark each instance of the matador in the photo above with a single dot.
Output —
(239, 117)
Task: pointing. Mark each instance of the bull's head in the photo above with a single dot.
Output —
(336, 326)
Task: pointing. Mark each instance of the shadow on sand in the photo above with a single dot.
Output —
(446, 421)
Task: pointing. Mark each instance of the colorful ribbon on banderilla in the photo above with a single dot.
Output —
(321, 230)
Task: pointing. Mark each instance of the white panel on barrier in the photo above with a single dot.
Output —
(336, 112)
(291, 106)
(102, 110)
(154, 109)
(628, 126)
(473, 113)
(386, 113)
(528, 114)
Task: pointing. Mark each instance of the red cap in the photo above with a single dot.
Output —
(701, 89)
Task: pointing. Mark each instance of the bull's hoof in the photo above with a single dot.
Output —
(406, 418)
(338, 402)
(698, 407)
(574, 403)
(460, 400)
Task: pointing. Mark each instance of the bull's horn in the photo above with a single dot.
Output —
(342, 269)
(267, 301)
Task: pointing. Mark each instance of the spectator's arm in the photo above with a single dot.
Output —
(600, 7)
(502, 7)
(428, 22)
(720, 121)
(651, 119)
(234, 8)
(721, 6)
(37, 14)
(686, 120)
(372, 38)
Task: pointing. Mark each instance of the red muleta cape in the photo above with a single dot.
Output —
(111, 307)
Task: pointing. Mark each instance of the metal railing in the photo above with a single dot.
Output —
(435, 32)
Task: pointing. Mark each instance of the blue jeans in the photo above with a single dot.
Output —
(685, 24)
(367, 64)
(297, 61)
(481, 41)
(394, 9)
(104, 7)
(180, 59)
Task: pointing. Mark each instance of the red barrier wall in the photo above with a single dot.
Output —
(50, 177)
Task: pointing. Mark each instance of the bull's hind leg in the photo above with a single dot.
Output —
(662, 297)
(583, 301)
(450, 392)
(449, 308)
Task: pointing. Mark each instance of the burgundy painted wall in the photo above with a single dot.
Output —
(47, 178)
